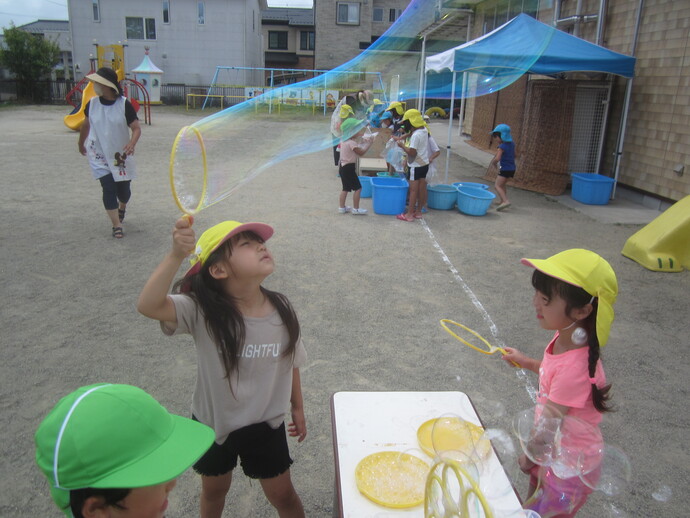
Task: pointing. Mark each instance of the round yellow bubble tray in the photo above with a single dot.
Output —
(448, 434)
(392, 479)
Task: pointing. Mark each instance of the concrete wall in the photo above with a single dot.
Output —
(186, 51)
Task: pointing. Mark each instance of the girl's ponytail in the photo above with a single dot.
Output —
(600, 396)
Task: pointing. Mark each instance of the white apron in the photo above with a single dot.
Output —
(108, 135)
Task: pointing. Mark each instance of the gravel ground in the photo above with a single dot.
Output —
(369, 292)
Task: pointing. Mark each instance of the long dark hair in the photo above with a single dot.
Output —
(223, 319)
(575, 297)
(111, 498)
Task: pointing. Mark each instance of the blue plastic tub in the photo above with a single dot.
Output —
(474, 201)
(470, 184)
(366, 186)
(441, 197)
(389, 195)
(591, 188)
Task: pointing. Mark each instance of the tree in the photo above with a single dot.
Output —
(30, 58)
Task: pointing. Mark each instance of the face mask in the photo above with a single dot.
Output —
(99, 89)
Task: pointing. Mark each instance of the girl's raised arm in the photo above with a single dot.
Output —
(153, 300)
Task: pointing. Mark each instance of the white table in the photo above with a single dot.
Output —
(368, 422)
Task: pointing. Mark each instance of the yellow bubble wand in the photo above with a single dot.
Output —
(439, 501)
(489, 349)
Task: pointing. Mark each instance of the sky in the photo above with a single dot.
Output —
(26, 11)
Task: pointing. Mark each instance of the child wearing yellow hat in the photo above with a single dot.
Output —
(574, 295)
(416, 147)
(249, 350)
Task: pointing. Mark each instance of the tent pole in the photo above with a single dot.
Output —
(450, 125)
(422, 71)
(461, 119)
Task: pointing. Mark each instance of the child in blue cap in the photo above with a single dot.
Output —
(505, 159)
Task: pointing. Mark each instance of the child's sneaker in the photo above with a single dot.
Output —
(359, 211)
(343, 210)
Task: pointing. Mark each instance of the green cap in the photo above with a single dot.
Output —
(114, 436)
(351, 126)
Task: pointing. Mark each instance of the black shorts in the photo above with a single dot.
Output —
(348, 176)
(263, 453)
(506, 174)
(419, 172)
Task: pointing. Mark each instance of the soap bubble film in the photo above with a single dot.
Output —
(218, 154)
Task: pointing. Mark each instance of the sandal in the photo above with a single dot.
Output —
(118, 233)
(121, 214)
(402, 217)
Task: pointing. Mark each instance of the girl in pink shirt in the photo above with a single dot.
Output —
(574, 295)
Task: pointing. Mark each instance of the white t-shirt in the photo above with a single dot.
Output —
(419, 141)
(262, 385)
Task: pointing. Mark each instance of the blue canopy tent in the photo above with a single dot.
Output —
(522, 45)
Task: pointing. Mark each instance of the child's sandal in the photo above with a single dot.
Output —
(118, 233)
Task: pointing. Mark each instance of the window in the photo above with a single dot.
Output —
(394, 14)
(378, 14)
(201, 13)
(306, 40)
(96, 11)
(140, 28)
(348, 13)
(278, 40)
(166, 11)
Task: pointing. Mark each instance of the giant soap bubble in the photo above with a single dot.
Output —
(216, 155)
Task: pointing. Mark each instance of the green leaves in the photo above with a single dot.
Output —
(29, 57)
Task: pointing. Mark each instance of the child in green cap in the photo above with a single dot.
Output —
(112, 450)
(351, 147)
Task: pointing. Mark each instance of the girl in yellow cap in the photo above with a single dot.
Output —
(574, 295)
(249, 350)
(416, 147)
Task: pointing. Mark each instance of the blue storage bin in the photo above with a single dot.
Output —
(441, 197)
(389, 195)
(591, 188)
(366, 186)
(474, 201)
(470, 184)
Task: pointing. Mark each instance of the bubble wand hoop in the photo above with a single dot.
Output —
(489, 349)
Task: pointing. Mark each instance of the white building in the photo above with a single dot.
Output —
(187, 39)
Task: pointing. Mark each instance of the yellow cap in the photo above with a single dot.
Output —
(589, 271)
(397, 106)
(415, 118)
(346, 111)
(218, 234)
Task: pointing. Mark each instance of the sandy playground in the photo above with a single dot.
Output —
(369, 292)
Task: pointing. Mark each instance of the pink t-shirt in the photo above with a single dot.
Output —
(347, 153)
(564, 379)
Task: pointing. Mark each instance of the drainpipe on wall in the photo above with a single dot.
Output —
(626, 105)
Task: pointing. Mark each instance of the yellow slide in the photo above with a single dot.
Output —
(74, 120)
(664, 244)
